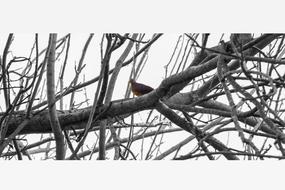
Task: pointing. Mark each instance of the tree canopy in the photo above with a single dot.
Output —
(220, 98)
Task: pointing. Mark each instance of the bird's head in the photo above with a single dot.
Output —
(131, 81)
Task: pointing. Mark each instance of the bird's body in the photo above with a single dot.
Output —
(139, 89)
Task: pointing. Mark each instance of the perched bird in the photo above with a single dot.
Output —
(139, 89)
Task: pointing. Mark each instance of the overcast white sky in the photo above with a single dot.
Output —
(159, 55)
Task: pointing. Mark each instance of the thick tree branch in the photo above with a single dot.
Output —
(54, 122)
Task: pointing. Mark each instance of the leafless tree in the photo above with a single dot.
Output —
(222, 101)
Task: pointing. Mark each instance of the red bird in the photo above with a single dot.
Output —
(139, 89)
